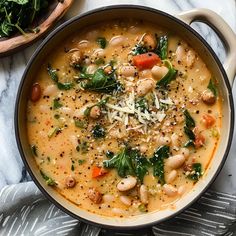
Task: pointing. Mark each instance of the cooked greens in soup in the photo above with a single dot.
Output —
(123, 118)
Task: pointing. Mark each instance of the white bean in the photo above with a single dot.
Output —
(181, 190)
(74, 141)
(118, 211)
(65, 110)
(117, 40)
(171, 176)
(126, 183)
(83, 44)
(95, 112)
(127, 71)
(98, 53)
(176, 161)
(92, 35)
(145, 86)
(143, 194)
(143, 148)
(91, 69)
(185, 152)
(159, 71)
(50, 90)
(134, 29)
(108, 198)
(190, 58)
(180, 53)
(170, 190)
(125, 200)
(163, 140)
(145, 74)
(175, 139)
(44, 108)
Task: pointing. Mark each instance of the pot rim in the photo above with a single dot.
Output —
(51, 36)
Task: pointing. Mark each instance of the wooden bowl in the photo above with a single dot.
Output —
(55, 11)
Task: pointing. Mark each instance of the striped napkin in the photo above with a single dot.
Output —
(24, 211)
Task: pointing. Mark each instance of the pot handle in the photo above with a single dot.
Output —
(222, 29)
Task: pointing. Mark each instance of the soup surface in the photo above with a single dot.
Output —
(123, 118)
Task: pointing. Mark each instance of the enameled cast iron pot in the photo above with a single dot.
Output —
(180, 25)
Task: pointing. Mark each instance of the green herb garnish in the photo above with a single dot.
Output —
(158, 162)
(98, 132)
(34, 150)
(49, 181)
(54, 131)
(56, 104)
(212, 87)
(189, 121)
(80, 123)
(102, 42)
(197, 168)
(81, 162)
(142, 208)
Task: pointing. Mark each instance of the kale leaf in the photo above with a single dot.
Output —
(142, 104)
(98, 131)
(53, 75)
(158, 162)
(139, 49)
(56, 104)
(197, 168)
(100, 82)
(102, 42)
(162, 47)
(122, 162)
(189, 124)
(212, 87)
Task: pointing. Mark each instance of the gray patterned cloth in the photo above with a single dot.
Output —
(25, 211)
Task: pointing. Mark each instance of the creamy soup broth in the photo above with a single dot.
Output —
(138, 140)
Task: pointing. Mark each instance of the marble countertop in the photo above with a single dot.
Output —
(11, 69)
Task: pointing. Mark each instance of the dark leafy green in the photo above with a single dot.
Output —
(56, 104)
(189, 121)
(170, 76)
(49, 181)
(53, 75)
(197, 168)
(212, 87)
(122, 162)
(81, 161)
(158, 162)
(189, 125)
(128, 162)
(139, 49)
(20, 15)
(98, 131)
(162, 47)
(100, 82)
(102, 42)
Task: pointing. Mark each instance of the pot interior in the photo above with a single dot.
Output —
(160, 19)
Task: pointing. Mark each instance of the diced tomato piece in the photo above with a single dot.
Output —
(208, 120)
(146, 60)
(98, 172)
(199, 138)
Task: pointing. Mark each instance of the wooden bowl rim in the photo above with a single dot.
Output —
(13, 44)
